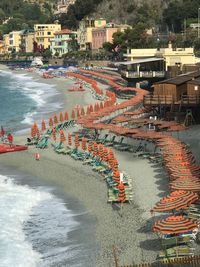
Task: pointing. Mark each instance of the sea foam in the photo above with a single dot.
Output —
(16, 204)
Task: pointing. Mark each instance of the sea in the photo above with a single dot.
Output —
(40, 225)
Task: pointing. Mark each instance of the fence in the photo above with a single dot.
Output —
(176, 262)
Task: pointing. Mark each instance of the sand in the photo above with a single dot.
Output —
(130, 231)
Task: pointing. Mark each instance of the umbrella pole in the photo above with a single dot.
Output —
(121, 206)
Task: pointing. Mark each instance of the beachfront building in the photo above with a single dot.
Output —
(171, 55)
(84, 32)
(44, 33)
(27, 39)
(63, 6)
(13, 41)
(104, 34)
(6, 42)
(61, 43)
(2, 47)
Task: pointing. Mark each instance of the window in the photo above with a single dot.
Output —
(48, 33)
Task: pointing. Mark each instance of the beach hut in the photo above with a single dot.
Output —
(193, 88)
(172, 89)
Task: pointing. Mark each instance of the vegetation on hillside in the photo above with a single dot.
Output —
(18, 15)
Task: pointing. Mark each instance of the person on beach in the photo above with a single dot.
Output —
(37, 156)
(10, 139)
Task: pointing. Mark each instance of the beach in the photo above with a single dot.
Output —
(129, 231)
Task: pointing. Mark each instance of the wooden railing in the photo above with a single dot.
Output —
(169, 99)
(176, 262)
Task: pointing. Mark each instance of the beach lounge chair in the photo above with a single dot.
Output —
(57, 146)
(176, 251)
(102, 140)
(32, 141)
(42, 143)
(111, 142)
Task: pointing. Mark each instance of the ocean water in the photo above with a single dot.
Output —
(24, 99)
(40, 226)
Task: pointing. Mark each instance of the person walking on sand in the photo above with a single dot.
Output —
(37, 156)
(10, 139)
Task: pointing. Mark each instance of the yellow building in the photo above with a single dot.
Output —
(2, 47)
(14, 41)
(27, 39)
(84, 32)
(6, 42)
(44, 32)
(172, 56)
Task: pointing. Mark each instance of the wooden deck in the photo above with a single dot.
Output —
(155, 100)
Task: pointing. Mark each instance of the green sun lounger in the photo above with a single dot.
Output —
(42, 143)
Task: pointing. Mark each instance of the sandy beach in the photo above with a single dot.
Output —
(130, 232)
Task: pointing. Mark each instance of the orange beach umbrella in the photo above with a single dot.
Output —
(50, 122)
(66, 116)
(54, 134)
(174, 225)
(55, 118)
(76, 141)
(121, 192)
(84, 146)
(73, 116)
(43, 125)
(69, 139)
(61, 117)
(62, 136)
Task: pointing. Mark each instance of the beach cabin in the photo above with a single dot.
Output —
(176, 87)
(193, 87)
(172, 89)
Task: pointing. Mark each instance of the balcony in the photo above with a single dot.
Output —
(143, 74)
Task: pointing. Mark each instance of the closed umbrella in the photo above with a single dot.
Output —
(50, 122)
(174, 225)
(43, 125)
(76, 141)
(61, 117)
(55, 118)
(105, 154)
(121, 193)
(54, 134)
(73, 116)
(66, 116)
(95, 149)
(69, 139)
(62, 136)
(90, 147)
(82, 111)
(84, 146)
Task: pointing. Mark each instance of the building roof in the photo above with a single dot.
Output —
(137, 61)
(64, 31)
(195, 82)
(183, 78)
(176, 80)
